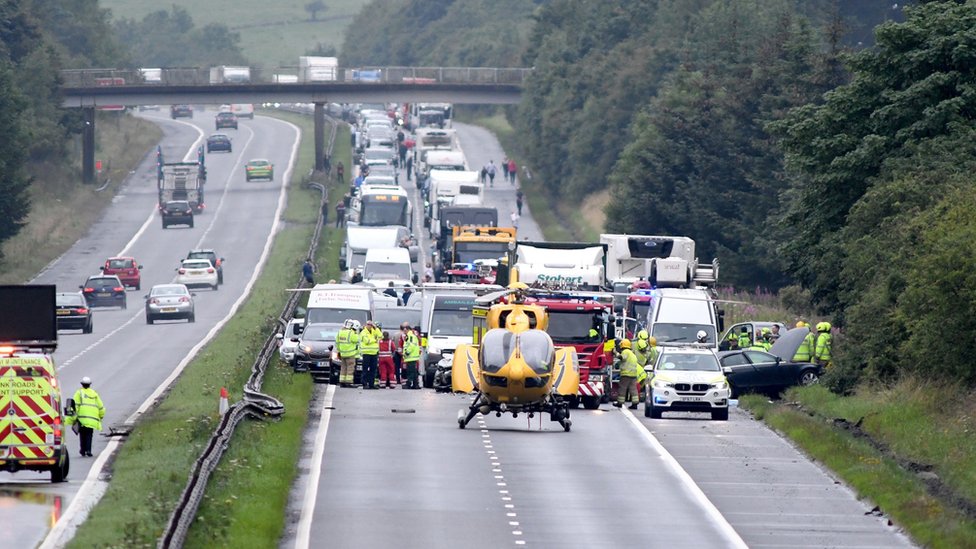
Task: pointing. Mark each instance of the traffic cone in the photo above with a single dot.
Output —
(223, 400)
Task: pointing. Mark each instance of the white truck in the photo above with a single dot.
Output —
(385, 265)
(663, 261)
(181, 181)
(317, 69)
(561, 265)
(224, 74)
(359, 240)
(444, 186)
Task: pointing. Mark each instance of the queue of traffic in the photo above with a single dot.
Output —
(629, 306)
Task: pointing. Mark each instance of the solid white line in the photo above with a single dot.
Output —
(91, 489)
(720, 522)
(304, 535)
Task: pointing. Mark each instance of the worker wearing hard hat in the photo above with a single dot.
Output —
(804, 353)
(824, 344)
(630, 373)
(89, 412)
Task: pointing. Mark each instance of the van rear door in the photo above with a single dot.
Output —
(30, 420)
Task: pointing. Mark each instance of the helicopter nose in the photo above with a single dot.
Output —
(517, 370)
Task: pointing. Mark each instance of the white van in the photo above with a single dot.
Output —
(385, 265)
(243, 110)
(352, 256)
(677, 315)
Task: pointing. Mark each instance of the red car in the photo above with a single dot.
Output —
(126, 268)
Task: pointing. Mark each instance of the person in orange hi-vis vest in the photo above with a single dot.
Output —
(387, 368)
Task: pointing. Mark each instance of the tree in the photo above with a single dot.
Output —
(313, 9)
(14, 180)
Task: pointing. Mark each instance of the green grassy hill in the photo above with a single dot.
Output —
(272, 33)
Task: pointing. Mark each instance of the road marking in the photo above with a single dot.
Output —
(304, 534)
(92, 489)
(720, 522)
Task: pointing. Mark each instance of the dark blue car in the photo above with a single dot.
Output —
(218, 142)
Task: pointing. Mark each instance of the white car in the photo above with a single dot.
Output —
(196, 272)
(687, 379)
(288, 340)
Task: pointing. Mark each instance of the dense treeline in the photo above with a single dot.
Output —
(170, 39)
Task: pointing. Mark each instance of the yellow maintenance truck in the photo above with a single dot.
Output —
(32, 427)
(475, 252)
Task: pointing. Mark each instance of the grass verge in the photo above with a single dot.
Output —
(245, 503)
(556, 223)
(883, 429)
(62, 208)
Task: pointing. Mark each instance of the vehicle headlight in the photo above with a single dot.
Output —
(596, 377)
(721, 385)
(305, 348)
(661, 384)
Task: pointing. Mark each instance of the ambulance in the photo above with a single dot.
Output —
(32, 429)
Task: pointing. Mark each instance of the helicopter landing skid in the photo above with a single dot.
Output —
(463, 419)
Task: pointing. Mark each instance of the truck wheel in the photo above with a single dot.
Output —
(573, 401)
(60, 471)
(591, 402)
(720, 415)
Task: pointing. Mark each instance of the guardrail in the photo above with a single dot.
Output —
(196, 76)
(254, 404)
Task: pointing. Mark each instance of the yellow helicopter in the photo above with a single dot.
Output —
(513, 366)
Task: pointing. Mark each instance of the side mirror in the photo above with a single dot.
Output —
(140, 267)
(192, 294)
(727, 370)
(279, 337)
(145, 296)
(81, 286)
(222, 260)
(102, 268)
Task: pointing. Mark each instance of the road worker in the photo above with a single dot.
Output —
(369, 346)
(824, 343)
(630, 371)
(89, 412)
(347, 343)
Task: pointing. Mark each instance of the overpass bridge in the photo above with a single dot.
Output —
(90, 89)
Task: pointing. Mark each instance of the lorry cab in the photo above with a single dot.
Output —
(677, 315)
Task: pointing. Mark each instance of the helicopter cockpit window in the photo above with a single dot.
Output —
(496, 348)
(537, 350)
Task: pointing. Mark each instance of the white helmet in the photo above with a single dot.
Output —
(702, 336)
(347, 323)
(86, 381)
(356, 325)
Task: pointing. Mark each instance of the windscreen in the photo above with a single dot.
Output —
(496, 348)
(468, 252)
(357, 260)
(379, 154)
(649, 248)
(314, 332)
(382, 210)
(682, 333)
(448, 167)
(317, 315)
(697, 362)
(573, 326)
(384, 270)
(391, 317)
(451, 322)
(537, 350)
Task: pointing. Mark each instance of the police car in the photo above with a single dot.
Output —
(687, 379)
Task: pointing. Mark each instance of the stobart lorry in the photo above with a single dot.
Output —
(32, 426)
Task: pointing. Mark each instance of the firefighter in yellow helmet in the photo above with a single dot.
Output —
(630, 371)
(824, 344)
(804, 353)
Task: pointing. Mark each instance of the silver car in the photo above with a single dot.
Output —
(169, 301)
(288, 340)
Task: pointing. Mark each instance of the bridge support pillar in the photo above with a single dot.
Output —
(319, 137)
(88, 146)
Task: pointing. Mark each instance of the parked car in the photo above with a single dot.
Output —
(180, 111)
(226, 120)
(126, 268)
(104, 291)
(219, 142)
(686, 379)
(177, 212)
(769, 373)
(169, 301)
(288, 340)
(210, 255)
(314, 353)
(259, 168)
(73, 312)
(196, 272)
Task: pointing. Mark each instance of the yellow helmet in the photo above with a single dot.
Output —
(642, 334)
(625, 344)
(652, 341)
(801, 324)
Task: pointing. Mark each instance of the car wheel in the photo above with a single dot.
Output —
(88, 328)
(808, 377)
(248, 179)
(720, 415)
(191, 224)
(123, 304)
(656, 412)
(138, 286)
(192, 317)
(591, 402)
(215, 286)
(149, 319)
(165, 225)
